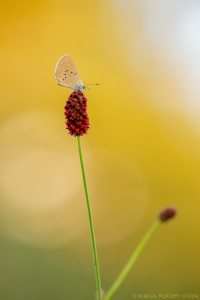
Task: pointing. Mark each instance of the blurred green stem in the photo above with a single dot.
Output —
(132, 260)
(94, 247)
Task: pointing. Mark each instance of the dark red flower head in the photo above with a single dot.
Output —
(77, 121)
(167, 213)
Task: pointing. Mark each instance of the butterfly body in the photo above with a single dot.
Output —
(79, 87)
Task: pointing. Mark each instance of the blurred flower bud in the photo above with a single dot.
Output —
(167, 213)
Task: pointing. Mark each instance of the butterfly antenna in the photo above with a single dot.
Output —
(92, 84)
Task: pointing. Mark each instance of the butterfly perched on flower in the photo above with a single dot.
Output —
(77, 120)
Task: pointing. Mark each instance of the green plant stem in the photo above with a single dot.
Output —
(94, 247)
(134, 257)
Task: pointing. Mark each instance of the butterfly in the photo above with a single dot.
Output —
(67, 75)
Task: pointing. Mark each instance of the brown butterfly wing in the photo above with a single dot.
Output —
(66, 72)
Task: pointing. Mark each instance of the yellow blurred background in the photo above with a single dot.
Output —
(141, 153)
